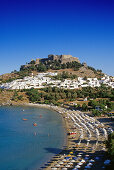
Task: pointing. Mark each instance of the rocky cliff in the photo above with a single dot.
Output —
(63, 58)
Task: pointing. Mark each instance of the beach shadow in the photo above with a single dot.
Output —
(53, 150)
(107, 121)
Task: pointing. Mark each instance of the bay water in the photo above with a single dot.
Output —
(24, 146)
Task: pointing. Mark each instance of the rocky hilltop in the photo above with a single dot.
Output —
(62, 58)
(61, 63)
(53, 63)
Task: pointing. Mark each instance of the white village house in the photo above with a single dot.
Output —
(42, 80)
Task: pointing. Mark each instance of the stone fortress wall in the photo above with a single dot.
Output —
(62, 58)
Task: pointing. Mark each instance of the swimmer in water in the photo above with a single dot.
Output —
(35, 133)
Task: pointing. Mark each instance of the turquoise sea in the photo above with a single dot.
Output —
(24, 146)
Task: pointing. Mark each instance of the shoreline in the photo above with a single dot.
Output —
(52, 108)
(93, 147)
(65, 125)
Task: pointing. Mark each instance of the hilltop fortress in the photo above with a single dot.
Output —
(62, 58)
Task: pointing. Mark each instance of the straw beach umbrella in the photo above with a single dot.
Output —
(86, 155)
(79, 155)
(67, 166)
(60, 162)
(80, 163)
(72, 160)
(92, 160)
(77, 166)
(53, 168)
(57, 165)
(70, 163)
(64, 160)
(83, 161)
(89, 164)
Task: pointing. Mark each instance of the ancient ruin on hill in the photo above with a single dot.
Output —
(61, 58)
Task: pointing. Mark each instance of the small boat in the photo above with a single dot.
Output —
(34, 124)
(24, 119)
(72, 133)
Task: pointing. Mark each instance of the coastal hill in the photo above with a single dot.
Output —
(62, 58)
(53, 63)
(58, 80)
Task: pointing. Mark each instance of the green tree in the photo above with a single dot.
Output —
(110, 151)
(69, 95)
(63, 95)
(20, 97)
(84, 107)
(96, 113)
(74, 95)
(49, 89)
(41, 68)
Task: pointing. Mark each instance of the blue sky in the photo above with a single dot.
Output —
(31, 29)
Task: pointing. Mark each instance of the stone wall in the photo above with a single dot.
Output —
(68, 58)
(37, 61)
(63, 58)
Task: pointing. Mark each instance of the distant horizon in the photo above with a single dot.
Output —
(32, 29)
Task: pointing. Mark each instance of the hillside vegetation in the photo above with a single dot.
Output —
(110, 150)
(102, 97)
(99, 97)
(74, 68)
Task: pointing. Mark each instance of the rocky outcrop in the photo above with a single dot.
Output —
(63, 58)
(37, 61)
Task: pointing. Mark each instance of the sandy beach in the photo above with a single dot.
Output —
(85, 143)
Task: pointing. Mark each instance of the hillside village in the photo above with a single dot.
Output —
(42, 80)
(53, 63)
(46, 72)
